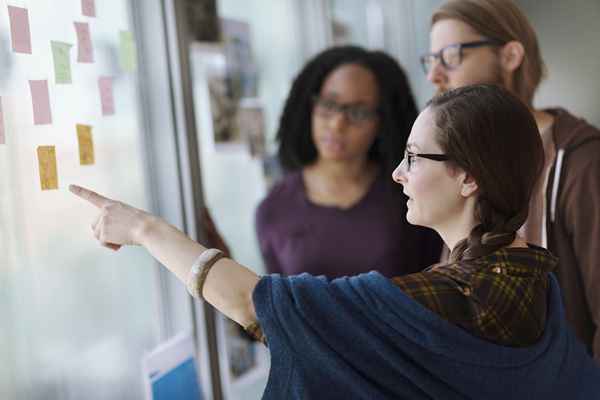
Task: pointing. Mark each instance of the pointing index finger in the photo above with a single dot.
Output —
(89, 195)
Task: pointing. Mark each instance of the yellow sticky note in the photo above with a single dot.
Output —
(86, 144)
(47, 162)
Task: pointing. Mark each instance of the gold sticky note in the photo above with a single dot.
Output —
(86, 144)
(47, 162)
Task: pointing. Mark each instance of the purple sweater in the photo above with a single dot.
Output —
(296, 235)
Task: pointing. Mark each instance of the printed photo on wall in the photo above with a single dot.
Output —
(242, 73)
(250, 121)
(223, 109)
(223, 89)
(241, 349)
(244, 361)
(209, 70)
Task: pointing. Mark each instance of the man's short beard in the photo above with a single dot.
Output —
(496, 78)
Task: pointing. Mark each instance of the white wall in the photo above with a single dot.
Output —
(569, 35)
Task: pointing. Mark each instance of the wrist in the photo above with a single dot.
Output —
(148, 226)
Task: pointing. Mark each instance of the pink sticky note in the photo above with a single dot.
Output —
(88, 8)
(85, 51)
(2, 136)
(106, 95)
(41, 102)
(19, 29)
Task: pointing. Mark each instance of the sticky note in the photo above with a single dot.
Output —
(88, 8)
(127, 53)
(62, 61)
(106, 95)
(86, 144)
(85, 51)
(41, 102)
(19, 29)
(2, 135)
(47, 164)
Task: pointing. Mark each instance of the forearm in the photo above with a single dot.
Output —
(228, 286)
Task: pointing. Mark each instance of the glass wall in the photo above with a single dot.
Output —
(76, 318)
(261, 41)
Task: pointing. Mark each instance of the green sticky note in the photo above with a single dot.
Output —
(62, 61)
(127, 51)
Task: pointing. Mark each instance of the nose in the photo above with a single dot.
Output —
(399, 174)
(338, 121)
(437, 74)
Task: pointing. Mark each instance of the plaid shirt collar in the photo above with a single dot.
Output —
(531, 260)
(535, 258)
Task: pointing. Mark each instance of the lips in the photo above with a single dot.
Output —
(332, 143)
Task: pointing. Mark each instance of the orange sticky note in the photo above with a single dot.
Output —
(86, 144)
(2, 135)
(40, 98)
(19, 29)
(85, 53)
(47, 164)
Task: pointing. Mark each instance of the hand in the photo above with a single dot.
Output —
(118, 223)
(212, 235)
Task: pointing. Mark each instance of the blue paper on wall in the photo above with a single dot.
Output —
(170, 371)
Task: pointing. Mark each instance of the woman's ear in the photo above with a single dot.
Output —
(511, 56)
(468, 185)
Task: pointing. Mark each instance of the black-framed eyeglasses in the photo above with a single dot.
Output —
(411, 157)
(451, 56)
(354, 113)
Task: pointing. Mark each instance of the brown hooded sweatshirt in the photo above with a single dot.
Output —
(572, 221)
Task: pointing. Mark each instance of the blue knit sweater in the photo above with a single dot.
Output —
(363, 338)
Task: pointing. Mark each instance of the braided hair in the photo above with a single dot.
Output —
(397, 108)
(490, 134)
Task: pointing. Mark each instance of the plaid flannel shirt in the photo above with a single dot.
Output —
(501, 297)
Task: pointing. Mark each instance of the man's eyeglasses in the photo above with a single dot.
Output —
(410, 158)
(451, 56)
(354, 113)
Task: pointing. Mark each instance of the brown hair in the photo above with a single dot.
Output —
(501, 20)
(490, 134)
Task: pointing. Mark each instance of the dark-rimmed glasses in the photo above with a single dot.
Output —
(354, 113)
(451, 56)
(410, 158)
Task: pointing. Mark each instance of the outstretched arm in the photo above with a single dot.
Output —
(228, 286)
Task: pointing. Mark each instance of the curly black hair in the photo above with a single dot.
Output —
(397, 109)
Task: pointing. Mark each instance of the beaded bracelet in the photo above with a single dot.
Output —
(200, 269)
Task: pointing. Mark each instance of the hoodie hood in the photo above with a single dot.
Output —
(570, 131)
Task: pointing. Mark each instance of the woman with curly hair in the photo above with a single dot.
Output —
(342, 132)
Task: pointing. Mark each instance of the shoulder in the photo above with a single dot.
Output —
(280, 199)
(305, 287)
(581, 163)
(426, 282)
(578, 146)
(574, 134)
